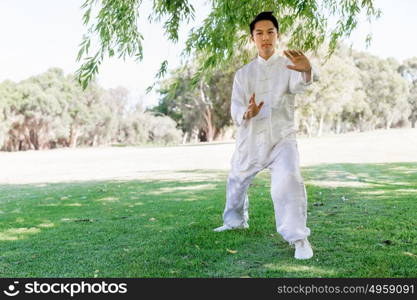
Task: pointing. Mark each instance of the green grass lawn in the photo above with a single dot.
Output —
(362, 218)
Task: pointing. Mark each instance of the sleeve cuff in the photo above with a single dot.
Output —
(240, 121)
(304, 76)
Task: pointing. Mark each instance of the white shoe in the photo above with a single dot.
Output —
(303, 249)
(227, 227)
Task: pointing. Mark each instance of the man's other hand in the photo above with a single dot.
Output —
(253, 108)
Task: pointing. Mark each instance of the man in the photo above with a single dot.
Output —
(266, 135)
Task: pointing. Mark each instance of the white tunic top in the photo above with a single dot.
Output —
(275, 84)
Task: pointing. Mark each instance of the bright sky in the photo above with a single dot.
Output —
(37, 35)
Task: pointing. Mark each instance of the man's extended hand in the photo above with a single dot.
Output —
(253, 108)
(300, 61)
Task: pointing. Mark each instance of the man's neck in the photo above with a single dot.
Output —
(266, 56)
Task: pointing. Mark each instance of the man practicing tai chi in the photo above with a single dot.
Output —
(266, 135)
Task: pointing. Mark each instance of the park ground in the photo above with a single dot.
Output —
(150, 211)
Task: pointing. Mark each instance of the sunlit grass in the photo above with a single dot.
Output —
(362, 218)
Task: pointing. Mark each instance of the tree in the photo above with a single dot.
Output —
(326, 103)
(36, 111)
(181, 102)
(8, 98)
(409, 71)
(51, 110)
(201, 113)
(114, 24)
(356, 92)
(386, 91)
(139, 127)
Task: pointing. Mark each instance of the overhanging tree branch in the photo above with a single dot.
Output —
(115, 25)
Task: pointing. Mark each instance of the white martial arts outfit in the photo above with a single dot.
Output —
(267, 141)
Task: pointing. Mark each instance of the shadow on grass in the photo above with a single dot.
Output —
(362, 218)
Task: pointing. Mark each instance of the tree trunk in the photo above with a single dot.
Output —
(94, 144)
(320, 126)
(74, 133)
(184, 138)
(34, 140)
(194, 135)
(389, 123)
(338, 125)
(208, 115)
(308, 128)
(25, 136)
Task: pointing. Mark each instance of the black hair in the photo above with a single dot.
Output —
(265, 15)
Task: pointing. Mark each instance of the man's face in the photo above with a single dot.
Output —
(265, 36)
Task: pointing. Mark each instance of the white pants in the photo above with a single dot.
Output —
(287, 192)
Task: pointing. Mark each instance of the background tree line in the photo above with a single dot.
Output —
(51, 110)
(356, 91)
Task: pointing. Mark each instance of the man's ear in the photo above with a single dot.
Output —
(251, 38)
